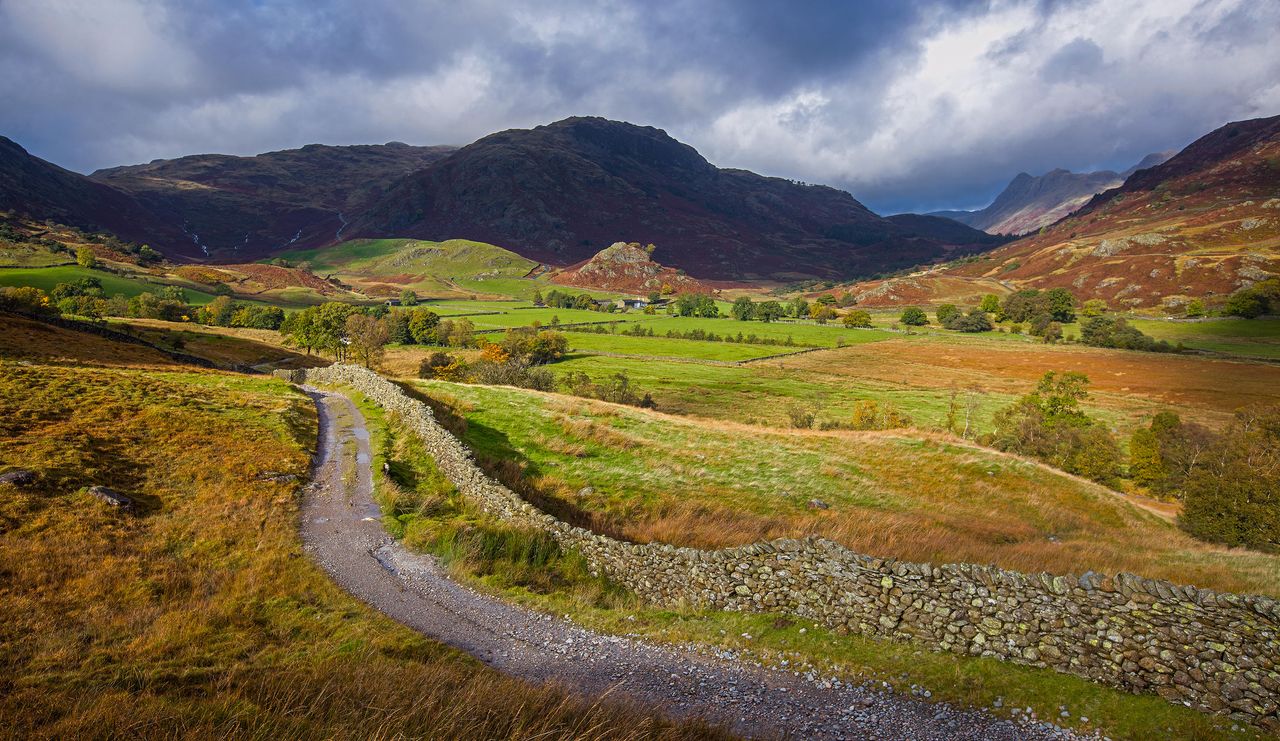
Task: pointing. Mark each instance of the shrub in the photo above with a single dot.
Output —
(857, 318)
(869, 414)
(914, 316)
(945, 313)
(443, 366)
(1256, 300)
(1232, 495)
(801, 417)
(1049, 424)
(1115, 332)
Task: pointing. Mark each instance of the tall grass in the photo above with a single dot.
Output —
(200, 616)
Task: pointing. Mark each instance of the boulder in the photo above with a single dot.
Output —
(18, 477)
(112, 497)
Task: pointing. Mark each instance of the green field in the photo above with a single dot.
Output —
(46, 278)
(671, 348)
(902, 494)
(1259, 338)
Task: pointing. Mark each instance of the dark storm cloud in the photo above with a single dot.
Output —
(906, 104)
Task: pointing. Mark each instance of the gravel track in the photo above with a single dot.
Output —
(342, 531)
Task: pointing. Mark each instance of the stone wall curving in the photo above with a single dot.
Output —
(1214, 651)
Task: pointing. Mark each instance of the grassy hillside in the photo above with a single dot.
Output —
(902, 494)
(421, 507)
(47, 278)
(199, 617)
(451, 268)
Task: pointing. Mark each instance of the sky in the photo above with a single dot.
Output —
(908, 105)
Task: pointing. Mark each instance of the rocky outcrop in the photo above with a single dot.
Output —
(1213, 651)
(628, 267)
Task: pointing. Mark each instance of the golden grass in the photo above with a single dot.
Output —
(1125, 381)
(200, 617)
(913, 495)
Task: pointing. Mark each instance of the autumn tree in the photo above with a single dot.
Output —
(367, 338)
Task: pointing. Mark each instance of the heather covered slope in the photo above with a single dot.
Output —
(33, 188)
(628, 267)
(245, 207)
(561, 192)
(1200, 225)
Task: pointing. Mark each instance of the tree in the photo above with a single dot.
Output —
(398, 328)
(1093, 307)
(1061, 305)
(255, 316)
(217, 312)
(822, 313)
(1195, 308)
(422, 327)
(537, 298)
(1049, 424)
(408, 298)
(1233, 495)
(743, 309)
(945, 313)
(857, 318)
(1145, 465)
(769, 311)
(990, 303)
(1115, 332)
(85, 258)
(1252, 302)
(914, 316)
(975, 321)
(798, 307)
(686, 304)
(367, 338)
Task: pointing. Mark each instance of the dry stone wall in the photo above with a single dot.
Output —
(1213, 651)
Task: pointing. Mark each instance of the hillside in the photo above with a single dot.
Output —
(38, 190)
(1029, 203)
(454, 267)
(561, 192)
(248, 207)
(1202, 224)
(627, 267)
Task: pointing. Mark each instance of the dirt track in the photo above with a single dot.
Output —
(342, 531)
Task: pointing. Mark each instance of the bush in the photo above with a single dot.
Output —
(442, 366)
(869, 414)
(26, 299)
(914, 316)
(1049, 424)
(802, 418)
(1115, 332)
(615, 388)
(1256, 300)
(857, 318)
(1232, 495)
(945, 313)
(974, 321)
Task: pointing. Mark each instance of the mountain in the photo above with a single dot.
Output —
(1201, 224)
(1029, 203)
(33, 188)
(630, 268)
(232, 207)
(560, 192)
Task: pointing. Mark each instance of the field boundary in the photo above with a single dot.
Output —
(1214, 651)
